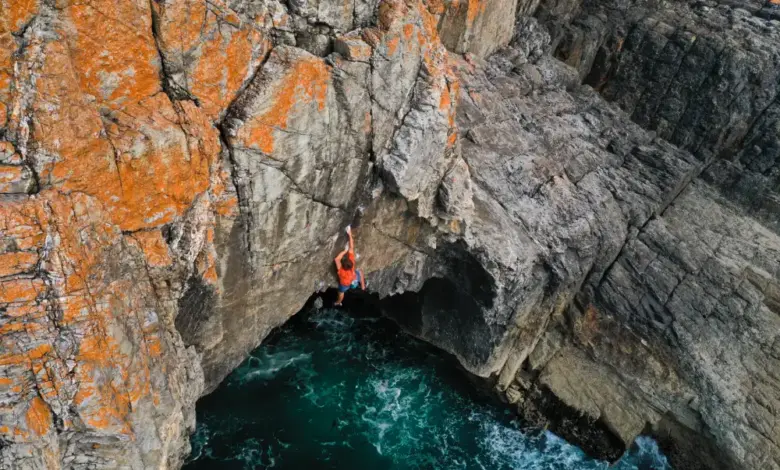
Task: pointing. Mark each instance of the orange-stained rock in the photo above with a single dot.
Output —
(85, 329)
(352, 47)
(107, 322)
(118, 137)
(477, 26)
(305, 81)
(209, 50)
(223, 194)
(38, 417)
(15, 179)
(219, 74)
(14, 14)
(17, 262)
(153, 245)
(20, 290)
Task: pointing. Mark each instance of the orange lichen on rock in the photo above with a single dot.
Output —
(431, 27)
(408, 31)
(9, 173)
(215, 48)
(392, 46)
(79, 330)
(449, 105)
(436, 7)
(20, 290)
(103, 400)
(160, 184)
(305, 81)
(218, 74)
(25, 357)
(113, 54)
(445, 101)
(110, 377)
(153, 245)
(17, 262)
(14, 14)
(223, 200)
(132, 152)
(476, 8)
(226, 61)
(13, 179)
(182, 23)
(352, 47)
(206, 263)
(38, 417)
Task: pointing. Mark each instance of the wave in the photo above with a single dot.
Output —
(265, 365)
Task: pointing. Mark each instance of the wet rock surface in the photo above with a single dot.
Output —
(175, 178)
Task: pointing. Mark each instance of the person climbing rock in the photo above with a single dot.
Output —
(349, 277)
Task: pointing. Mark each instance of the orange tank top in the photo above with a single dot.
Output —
(346, 276)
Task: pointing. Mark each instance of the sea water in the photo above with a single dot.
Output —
(332, 391)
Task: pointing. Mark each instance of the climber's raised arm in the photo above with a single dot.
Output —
(338, 257)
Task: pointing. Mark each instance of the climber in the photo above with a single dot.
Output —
(349, 277)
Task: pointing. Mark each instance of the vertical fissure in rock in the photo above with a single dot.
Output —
(173, 90)
(245, 212)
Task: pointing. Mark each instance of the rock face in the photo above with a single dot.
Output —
(704, 75)
(175, 177)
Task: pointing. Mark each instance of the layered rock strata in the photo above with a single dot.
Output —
(704, 75)
(175, 177)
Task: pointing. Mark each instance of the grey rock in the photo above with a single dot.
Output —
(480, 28)
(704, 76)
(579, 213)
(455, 192)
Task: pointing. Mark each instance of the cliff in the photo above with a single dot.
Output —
(577, 200)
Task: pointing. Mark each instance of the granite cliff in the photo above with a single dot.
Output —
(578, 200)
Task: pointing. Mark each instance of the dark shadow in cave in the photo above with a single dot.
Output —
(453, 308)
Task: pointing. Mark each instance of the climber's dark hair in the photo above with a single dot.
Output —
(346, 261)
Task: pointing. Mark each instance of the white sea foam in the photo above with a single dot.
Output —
(332, 320)
(266, 366)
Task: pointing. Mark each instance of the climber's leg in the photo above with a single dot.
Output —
(340, 297)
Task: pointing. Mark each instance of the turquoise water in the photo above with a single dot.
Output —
(334, 391)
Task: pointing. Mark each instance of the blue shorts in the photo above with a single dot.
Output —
(355, 284)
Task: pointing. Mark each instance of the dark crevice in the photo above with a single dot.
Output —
(225, 131)
(243, 200)
(195, 307)
(174, 91)
(232, 108)
(543, 409)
